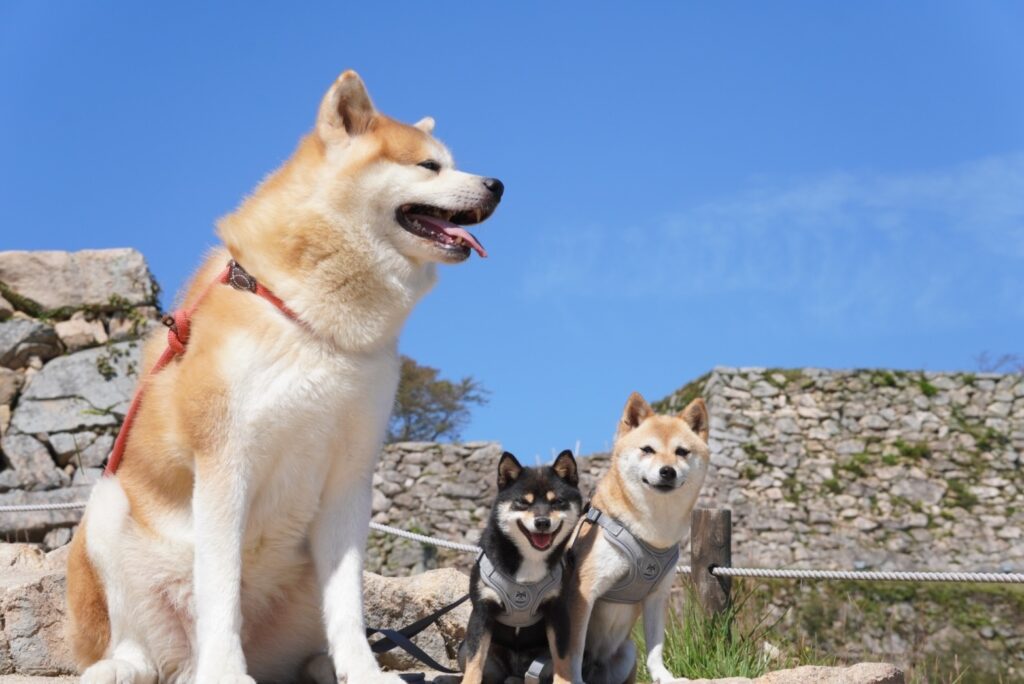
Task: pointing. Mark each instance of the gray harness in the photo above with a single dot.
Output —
(519, 600)
(647, 565)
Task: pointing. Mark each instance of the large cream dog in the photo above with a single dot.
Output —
(644, 501)
(228, 547)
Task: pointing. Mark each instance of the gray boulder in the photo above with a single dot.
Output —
(98, 278)
(90, 388)
(31, 463)
(395, 602)
(32, 586)
(22, 338)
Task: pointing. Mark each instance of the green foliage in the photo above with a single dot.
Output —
(789, 376)
(700, 646)
(832, 485)
(927, 388)
(855, 464)
(915, 452)
(678, 400)
(755, 454)
(429, 408)
(106, 360)
(883, 379)
(960, 495)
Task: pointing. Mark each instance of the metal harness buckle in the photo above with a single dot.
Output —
(239, 278)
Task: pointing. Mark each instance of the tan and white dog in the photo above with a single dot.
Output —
(228, 546)
(658, 467)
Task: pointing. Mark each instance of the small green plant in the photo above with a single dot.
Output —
(855, 464)
(927, 388)
(755, 454)
(960, 495)
(732, 644)
(832, 485)
(883, 379)
(915, 452)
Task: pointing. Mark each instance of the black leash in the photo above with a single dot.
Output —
(401, 638)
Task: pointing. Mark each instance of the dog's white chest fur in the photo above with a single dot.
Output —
(297, 411)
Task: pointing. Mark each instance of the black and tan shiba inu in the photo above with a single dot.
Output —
(625, 554)
(519, 574)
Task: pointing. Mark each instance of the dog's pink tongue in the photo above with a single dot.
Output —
(452, 230)
(540, 539)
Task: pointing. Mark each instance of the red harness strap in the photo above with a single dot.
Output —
(179, 326)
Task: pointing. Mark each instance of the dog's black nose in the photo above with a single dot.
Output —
(496, 187)
(542, 524)
(668, 473)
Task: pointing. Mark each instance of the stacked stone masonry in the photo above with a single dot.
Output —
(867, 469)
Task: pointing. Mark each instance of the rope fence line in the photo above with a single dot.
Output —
(718, 571)
(32, 508)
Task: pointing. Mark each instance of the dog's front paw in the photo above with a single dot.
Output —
(116, 672)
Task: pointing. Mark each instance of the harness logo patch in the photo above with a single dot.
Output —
(649, 570)
(520, 598)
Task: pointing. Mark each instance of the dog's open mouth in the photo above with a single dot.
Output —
(539, 540)
(444, 227)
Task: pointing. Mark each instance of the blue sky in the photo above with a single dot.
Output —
(688, 185)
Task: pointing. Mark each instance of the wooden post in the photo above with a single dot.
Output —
(711, 546)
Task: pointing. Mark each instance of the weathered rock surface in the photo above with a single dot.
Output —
(394, 603)
(80, 332)
(76, 280)
(86, 389)
(31, 462)
(23, 338)
(32, 590)
(862, 673)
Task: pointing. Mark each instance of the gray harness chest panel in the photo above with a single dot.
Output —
(647, 565)
(520, 600)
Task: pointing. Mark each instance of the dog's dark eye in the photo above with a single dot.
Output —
(521, 504)
(681, 452)
(647, 449)
(431, 165)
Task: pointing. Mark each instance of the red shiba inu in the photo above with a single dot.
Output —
(228, 545)
(627, 546)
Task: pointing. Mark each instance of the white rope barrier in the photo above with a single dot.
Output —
(424, 539)
(870, 575)
(30, 508)
(721, 571)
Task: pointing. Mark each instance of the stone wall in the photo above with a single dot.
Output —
(871, 469)
(69, 325)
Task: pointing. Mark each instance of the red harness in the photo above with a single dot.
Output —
(179, 324)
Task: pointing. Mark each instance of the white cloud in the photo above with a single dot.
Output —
(880, 247)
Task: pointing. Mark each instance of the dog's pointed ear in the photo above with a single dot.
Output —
(565, 468)
(426, 124)
(346, 110)
(637, 411)
(696, 416)
(508, 470)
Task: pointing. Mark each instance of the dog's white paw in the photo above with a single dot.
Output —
(116, 672)
(319, 670)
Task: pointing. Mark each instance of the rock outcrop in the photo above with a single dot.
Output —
(69, 325)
